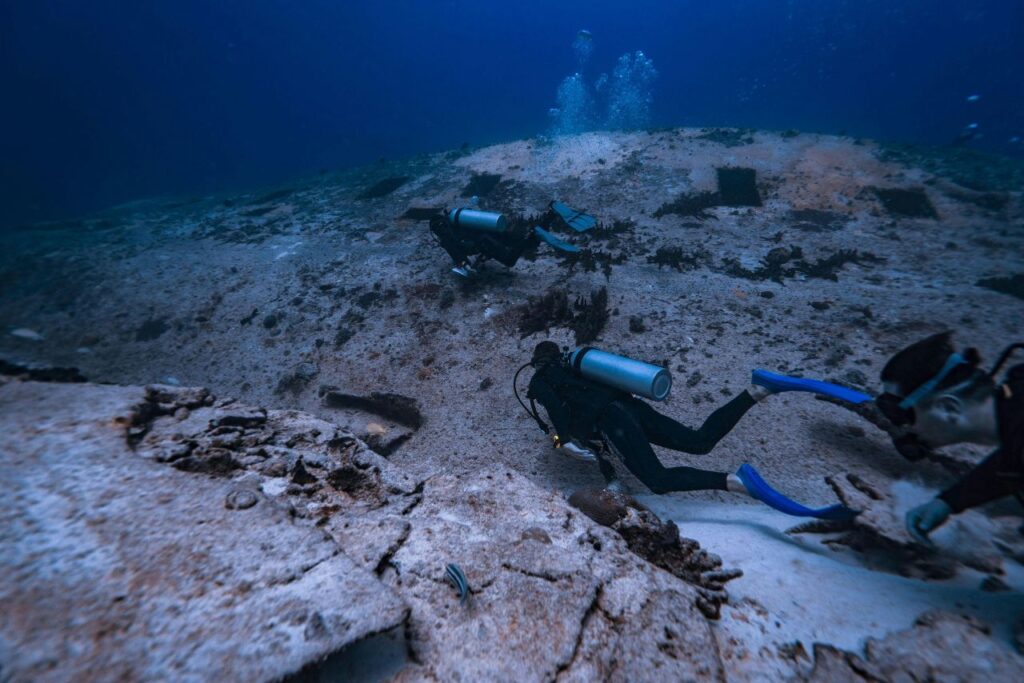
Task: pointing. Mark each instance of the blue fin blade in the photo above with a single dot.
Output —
(775, 382)
(554, 241)
(577, 220)
(760, 490)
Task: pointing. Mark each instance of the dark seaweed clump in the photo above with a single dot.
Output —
(693, 205)
(586, 317)
(781, 263)
(481, 185)
(383, 188)
(273, 196)
(589, 260)
(1012, 285)
(675, 257)
(910, 203)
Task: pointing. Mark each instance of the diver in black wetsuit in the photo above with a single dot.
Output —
(461, 243)
(941, 398)
(582, 410)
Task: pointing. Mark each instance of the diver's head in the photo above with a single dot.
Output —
(546, 351)
(939, 396)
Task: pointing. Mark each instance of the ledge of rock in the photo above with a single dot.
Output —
(160, 533)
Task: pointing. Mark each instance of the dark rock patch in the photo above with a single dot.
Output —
(420, 213)
(730, 137)
(256, 213)
(382, 188)
(692, 205)
(151, 329)
(481, 184)
(738, 187)
(273, 196)
(815, 220)
(41, 374)
(1012, 285)
(401, 409)
(906, 203)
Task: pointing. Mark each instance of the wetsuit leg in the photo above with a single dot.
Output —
(621, 425)
(508, 247)
(665, 432)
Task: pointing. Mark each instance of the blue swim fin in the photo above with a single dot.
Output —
(774, 382)
(577, 220)
(554, 241)
(759, 489)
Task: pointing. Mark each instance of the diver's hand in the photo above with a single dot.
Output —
(574, 450)
(926, 518)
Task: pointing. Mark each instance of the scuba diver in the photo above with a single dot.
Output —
(590, 395)
(467, 232)
(941, 397)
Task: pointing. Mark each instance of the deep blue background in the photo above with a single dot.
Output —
(102, 101)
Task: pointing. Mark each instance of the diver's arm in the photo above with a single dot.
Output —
(986, 482)
(558, 413)
(449, 240)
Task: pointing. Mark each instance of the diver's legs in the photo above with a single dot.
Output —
(623, 429)
(506, 248)
(668, 433)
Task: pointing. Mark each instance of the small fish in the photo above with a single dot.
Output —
(972, 126)
(25, 333)
(973, 98)
(458, 580)
(584, 34)
(1015, 139)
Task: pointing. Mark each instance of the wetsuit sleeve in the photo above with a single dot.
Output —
(989, 480)
(558, 412)
(449, 240)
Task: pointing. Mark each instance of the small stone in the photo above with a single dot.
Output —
(536, 534)
(240, 499)
(993, 584)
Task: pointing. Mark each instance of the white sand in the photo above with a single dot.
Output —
(814, 594)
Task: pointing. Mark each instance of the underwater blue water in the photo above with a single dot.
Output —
(107, 101)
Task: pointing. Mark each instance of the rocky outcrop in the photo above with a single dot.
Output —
(161, 534)
(660, 544)
(939, 647)
(880, 527)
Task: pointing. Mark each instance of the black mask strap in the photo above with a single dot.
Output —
(1005, 356)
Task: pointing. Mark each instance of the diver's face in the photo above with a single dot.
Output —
(948, 419)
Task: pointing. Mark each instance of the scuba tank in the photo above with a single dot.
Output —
(636, 377)
(473, 219)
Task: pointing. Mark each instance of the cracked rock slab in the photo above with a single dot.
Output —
(116, 567)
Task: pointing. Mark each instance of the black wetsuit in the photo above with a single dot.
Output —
(1002, 472)
(461, 243)
(584, 410)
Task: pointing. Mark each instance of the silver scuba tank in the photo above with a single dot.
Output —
(626, 374)
(478, 220)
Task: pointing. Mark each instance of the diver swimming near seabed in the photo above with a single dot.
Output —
(941, 397)
(591, 395)
(466, 232)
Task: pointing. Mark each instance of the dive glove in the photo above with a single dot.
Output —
(926, 518)
(577, 452)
